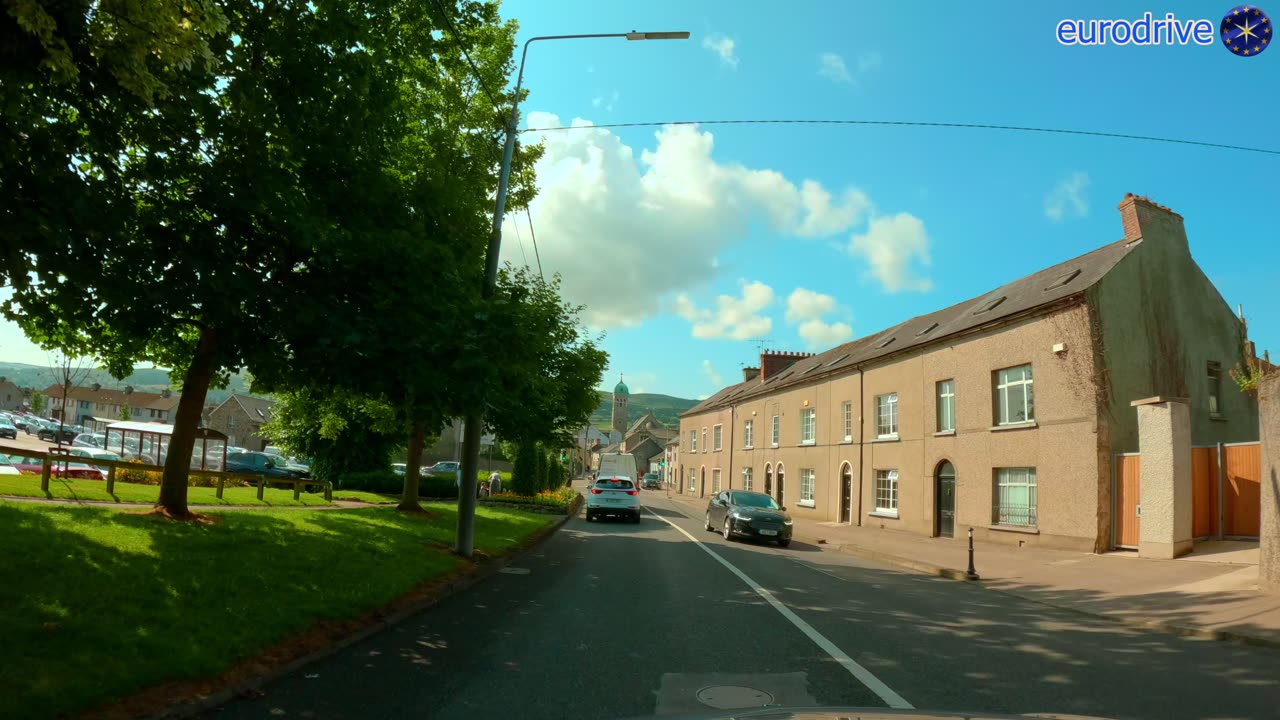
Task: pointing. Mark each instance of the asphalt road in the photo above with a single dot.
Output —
(614, 620)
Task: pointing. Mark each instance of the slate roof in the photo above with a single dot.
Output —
(1011, 299)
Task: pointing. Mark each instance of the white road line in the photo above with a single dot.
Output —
(863, 675)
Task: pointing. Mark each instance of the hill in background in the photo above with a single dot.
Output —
(143, 380)
(664, 407)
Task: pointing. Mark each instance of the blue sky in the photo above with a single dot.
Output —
(651, 227)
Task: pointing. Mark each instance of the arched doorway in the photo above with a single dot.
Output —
(846, 493)
(944, 522)
(768, 480)
(778, 495)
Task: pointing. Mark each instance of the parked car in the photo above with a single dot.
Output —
(651, 481)
(738, 513)
(96, 454)
(51, 433)
(447, 467)
(7, 467)
(301, 471)
(400, 468)
(258, 464)
(59, 469)
(8, 429)
(90, 440)
(614, 496)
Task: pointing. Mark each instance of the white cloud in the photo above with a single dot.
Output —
(833, 66)
(722, 46)
(1067, 199)
(807, 308)
(711, 373)
(628, 227)
(733, 318)
(605, 102)
(894, 245)
(821, 335)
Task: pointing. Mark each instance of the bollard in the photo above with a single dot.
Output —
(971, 573)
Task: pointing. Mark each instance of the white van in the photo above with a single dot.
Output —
(617, 465)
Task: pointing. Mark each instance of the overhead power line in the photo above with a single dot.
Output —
(909, 123)
(534, 235)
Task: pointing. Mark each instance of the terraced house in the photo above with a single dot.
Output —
(1003, 413)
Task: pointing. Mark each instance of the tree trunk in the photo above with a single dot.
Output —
(177, 466)
(413, 469)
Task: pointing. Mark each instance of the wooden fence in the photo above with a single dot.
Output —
(48, 459)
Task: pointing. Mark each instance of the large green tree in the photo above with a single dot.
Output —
(341, 433)
(306, 199)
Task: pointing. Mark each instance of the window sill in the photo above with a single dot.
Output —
(1024, 529)
(1014, 426)
(1215, 417)
(748, 447)
(775, 446)
(886, 438)
(847, 441)
(879, 514)
(945, 433)
(810, 443)
(806, 503)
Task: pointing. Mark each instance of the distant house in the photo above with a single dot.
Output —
(11, 396)
(97, 407)
(241, 418)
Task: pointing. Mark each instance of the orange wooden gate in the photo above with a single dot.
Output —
(1128, 497)
(1204, 491)
(1242, 490)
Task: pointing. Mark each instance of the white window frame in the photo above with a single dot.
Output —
(777, 430)
(1010, 482)
(808, 426)
(846, 411)
(1004, 382)
(747, 478)
(946, 405)
(715, 480)
(704, 439)
(886, 492)
(887, 416)
(1214, 373)
(748, 434)
(693, 441)
(717, 437)
(693, 478)
(808, 479)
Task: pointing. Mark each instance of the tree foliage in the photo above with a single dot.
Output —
(524, 475)
(38, 401)
(277, 208)
(340, 433)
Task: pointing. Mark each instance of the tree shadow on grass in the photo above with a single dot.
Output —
(107, 602)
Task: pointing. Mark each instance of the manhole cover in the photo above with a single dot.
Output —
(729, 697)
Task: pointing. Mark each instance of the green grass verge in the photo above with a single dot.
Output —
(96, 490)
(102, 603)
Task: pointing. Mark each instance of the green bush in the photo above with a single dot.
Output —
(376, 481)
(138, 475)
(438, 486)
(524, 479)
(541, 471)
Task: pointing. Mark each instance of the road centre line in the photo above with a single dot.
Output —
(863, 675)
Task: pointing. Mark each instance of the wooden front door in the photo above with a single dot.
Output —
(1128, 510)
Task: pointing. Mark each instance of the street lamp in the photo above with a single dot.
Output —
(474, 423)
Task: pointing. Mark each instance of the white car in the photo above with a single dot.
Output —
(614, 495)
(7, 468)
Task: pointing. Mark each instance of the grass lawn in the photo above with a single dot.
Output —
(72, 489)
(101, 603)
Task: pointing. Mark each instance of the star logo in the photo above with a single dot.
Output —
(1245, 30)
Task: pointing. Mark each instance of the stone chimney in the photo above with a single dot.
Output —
(772, 363)
(749, 373)
(1146, 220)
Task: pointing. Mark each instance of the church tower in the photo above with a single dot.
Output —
(620, 397)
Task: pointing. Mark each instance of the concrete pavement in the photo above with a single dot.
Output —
(612, 620)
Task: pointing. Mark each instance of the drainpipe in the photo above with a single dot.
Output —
(862, 440)
(733, 420)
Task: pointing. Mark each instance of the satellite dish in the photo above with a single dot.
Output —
(96, 387)
(128, 389)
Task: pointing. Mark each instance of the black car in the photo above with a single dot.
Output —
(259, 464)
(50, 433)
(738, 513)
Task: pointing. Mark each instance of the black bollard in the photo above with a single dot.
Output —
(971, 573)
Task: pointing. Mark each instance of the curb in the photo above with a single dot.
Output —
(953, 574)
(490, 568)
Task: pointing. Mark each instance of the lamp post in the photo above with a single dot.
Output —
(475, 419)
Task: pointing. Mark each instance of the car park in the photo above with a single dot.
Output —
(738, 513)
(617, 496)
